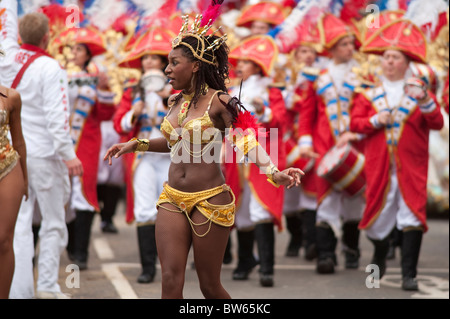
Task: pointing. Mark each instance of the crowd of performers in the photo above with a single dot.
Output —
(356, 98)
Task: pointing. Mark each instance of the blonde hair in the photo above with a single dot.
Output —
(33, 27)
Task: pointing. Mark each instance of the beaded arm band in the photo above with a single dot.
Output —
(143, 144)
(270, 170)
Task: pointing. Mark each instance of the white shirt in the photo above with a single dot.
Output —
(43, 90)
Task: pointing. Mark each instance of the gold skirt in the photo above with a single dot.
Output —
(222, 215)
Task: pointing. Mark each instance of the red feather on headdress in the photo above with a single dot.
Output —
(211, 13)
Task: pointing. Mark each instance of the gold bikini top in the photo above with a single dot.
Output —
(195, 130)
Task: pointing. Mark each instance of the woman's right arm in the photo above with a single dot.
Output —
(158, 145)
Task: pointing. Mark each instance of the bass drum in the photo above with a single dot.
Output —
(344, 168)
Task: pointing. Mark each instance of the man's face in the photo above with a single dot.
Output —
(247, 68)
(305, 54)
(394, 64)
(343, 50)
(259, 27)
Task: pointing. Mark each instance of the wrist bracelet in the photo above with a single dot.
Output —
(270, 170)
(143, 144)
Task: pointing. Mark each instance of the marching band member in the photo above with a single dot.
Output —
(140, 115)
(259, 206)
(324, 124)
(397, 117)
(91, 102)
(300, 204)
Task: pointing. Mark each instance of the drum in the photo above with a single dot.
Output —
(154, 81)
(344, 168)
(293, 158)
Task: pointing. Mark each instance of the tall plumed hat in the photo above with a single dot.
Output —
(156, 40)
(88, 36)
(200, 29)
(401, 35)
(333, 29)
(260, 49)
(265, 11)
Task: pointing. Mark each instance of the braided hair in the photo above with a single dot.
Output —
(214, 75)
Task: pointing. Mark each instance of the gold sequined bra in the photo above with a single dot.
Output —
(200, 130)
(8, 156)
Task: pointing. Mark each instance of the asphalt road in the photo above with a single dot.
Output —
(114, 266)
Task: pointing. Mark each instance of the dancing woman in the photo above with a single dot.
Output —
(196, 207)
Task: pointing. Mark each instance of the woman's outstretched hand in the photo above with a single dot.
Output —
(119, 149)
(289, 177)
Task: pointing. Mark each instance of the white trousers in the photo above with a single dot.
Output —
(338, 208)
(148, 181)
(395, 212)
(49, 188)
(250, 211)
(295, 199)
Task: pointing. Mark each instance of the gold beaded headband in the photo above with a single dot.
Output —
(205, 49)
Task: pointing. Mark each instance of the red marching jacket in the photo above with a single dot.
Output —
(316, 121)
(270, 197)
(128, 159)
(410, 152)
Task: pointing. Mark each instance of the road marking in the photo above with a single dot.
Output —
(120, 283)
(430, 287)
(102, 248)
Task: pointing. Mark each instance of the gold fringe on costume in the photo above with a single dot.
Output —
(222, 215)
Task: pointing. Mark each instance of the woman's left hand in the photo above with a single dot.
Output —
(289, 177)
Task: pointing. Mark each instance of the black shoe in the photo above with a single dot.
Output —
(325, 265)
(145, 278)
(391, 253)
(351, 259)
(108, 227)
(242, 274)
(266, 280)
(410, 284)
(292, 251)
(311, 252)
(82, 265)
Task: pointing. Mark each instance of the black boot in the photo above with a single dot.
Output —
(70, 248)
(350, 238)
(381, 248)
(309, 226)
(109, 196)
(294, 226)
(326, 246)
(411, 242)
(265, 239)
(227, 257)
(82, 236)
(246, 259)
(147, 253)
(394, 242)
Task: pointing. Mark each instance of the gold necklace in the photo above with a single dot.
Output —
(184, 107)
(187, 103)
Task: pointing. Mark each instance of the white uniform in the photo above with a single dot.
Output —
(150, 170)
(45, 125)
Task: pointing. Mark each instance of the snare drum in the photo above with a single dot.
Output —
(154, 81)
(344, 168)
(293, 158)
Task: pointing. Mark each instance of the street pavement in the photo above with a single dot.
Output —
(114, 266)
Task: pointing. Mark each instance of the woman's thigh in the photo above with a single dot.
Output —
(173, 238)
(11, 193)
(210, 248)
